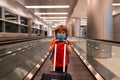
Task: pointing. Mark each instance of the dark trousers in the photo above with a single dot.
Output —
(60, 69)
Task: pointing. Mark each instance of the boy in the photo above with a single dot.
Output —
(61, 34)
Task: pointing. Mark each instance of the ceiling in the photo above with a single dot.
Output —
(116, 1)
(53, 19)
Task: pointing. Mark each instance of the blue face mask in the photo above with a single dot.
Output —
(61, 36)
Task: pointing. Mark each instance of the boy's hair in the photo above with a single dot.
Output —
(61, 28)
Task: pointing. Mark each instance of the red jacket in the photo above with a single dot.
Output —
(60, 54)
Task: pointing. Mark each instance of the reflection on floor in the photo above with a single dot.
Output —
(113, 64)
(76, 68)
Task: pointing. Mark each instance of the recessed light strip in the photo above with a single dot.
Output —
(54, 20)
(49, 22)
(116, 4)
(58, 13)
(53, 17)
(49, 6)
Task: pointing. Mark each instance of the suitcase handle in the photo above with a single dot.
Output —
(64, 57)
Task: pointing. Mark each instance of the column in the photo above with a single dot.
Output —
(29, 27)
(75, 26)
(69, 26)
(100, 19)
(99, 27)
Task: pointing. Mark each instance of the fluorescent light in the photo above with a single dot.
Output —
(53, 17)
(85, 18)
(49, 22)
(55, 20)
(59, 13)
(54, 26)
(49, 6)
(116, 4)
(62, 22)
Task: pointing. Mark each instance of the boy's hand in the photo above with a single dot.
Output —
(57, 40)
(63, 41)
(66, 42)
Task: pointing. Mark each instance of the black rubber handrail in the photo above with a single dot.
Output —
(6, 42)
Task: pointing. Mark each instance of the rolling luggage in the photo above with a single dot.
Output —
(52, 75)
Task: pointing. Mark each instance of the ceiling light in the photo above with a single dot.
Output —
(59, 13)
(54, 26)
(85, 18)
(62, 22)
(49, 22)
(49, 6)
(54, 20)
(116, 4)
(53, 17)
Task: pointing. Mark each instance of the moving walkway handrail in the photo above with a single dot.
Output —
(90, 68)
(113, 42)
(18, 40)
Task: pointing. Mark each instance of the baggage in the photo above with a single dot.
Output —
(56, 76)
(53, 75)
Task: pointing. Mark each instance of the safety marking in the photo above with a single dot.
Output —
(42, 60)
(23, 50)
(47, 53)
(19, 48)
(30, 75)
(96, 47)
(45, 56)
(76, 51)
(14, 54)
(37, 65)
(9, 52)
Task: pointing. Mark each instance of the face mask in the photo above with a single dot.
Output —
(61, 36)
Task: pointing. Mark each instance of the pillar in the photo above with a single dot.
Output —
(75, 26)
(100, 19)
(99, 27)
(30, 27)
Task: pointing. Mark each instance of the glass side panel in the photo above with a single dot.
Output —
(11, 17)
(24, 20)
(32, 30)
(0, 26)
(36, 31)
(10, 27)
(24, 29)
(0, 12)
(23, 56)
(103, 56)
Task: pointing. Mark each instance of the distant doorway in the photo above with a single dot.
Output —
(45, 33)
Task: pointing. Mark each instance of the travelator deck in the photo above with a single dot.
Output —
(76, 68)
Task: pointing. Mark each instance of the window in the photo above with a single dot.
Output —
(24, 20)
(33, 23)
(45, 33)
(10, 27)
(24, 29)
(11, 17)
(40, 31)
(0, 12)
(32, 30)
(0, 26)
(36, 31)
(40, 26)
